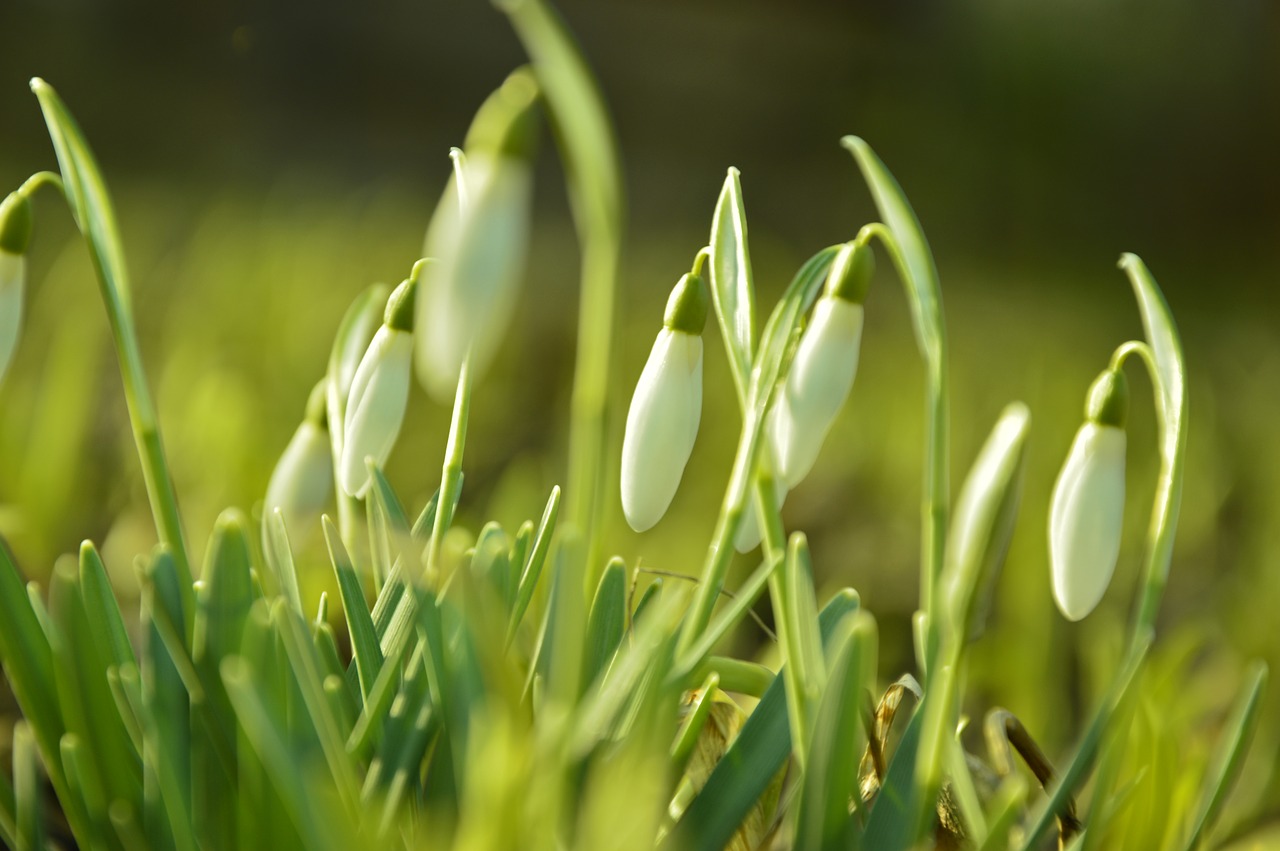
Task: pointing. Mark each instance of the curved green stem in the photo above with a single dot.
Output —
(935, 499)
(91, 207)
(41, 179)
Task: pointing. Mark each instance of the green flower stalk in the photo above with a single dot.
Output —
(15, 236)
(825, 364)
(303, 477)
(379, 391)
(1086, 516)
(478, 236)
(662, 422)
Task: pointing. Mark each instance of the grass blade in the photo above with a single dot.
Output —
(752, 761)
(1236, 735)
(606, 622)
(364, 638)
(732, 290)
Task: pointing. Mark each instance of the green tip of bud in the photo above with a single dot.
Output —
(400, 304)
(318, 404)
(16, 222)
(687, 306)
(851, 271)
(1108, 399)
(507, 122)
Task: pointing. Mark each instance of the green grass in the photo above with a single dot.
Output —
(413, 674)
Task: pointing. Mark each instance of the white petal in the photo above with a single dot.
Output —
(375, 409)
(662, 425)
(302, 479)
(467, 295)
(13, 269)
(1086, 518)
(817, 386)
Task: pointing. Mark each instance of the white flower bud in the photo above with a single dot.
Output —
(661, 427)
(479, 249)
(302, 479)
(375, 407)
(1086, 518)
(817, 385)
(13, 272)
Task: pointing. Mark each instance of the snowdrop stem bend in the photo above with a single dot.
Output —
(451, 470)
(765, 371)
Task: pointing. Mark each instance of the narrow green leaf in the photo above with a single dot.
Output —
(1166, 347)
(364, 638)
(728, 617)
(272, 748)
(803, 666)
(891, 825)
(1080, 763)
(26, 789)
(538, 557)
(1004, 812)
(102, 609)
(27, 658)
(1236, 735)
(88, 795)
(92, 210)
(606, 622)
(280, 559)
(732, 290)
(697, 711)
(830, 782)
(752, 761)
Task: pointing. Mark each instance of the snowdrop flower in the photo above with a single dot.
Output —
(663, 420)
(478, 236)
(303, 476)
(823, 369)
(15, 235)
(1087, 512)
(379, 391)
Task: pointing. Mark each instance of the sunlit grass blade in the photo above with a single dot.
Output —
(803, 665)
(165, 696)
(537, 558)
(1171, 390)
(732, 290)
(831, 776)
(92, 210)
(1074, 775)
(26, 789)
(364, 638)
(317, 830)
(28, 659)
(280, 561)
(606, 622)
(105, 619)
(1003, 812)
(1236, 735)
(752, 761)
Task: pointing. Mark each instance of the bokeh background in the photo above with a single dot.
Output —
(270, 160)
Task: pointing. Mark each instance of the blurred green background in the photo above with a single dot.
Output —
(270, 162)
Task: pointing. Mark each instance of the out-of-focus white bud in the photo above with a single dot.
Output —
(823, 369)
(478, 238)
(15, 236)
(379, 392)
(303, 477)
(1086, 516)
(662, 423)
(816, 388)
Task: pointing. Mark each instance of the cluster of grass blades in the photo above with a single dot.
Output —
(513, 691)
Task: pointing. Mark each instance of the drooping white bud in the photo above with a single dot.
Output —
(376, 406)
(303, 477)
(13, 272)
(816, 388)
(478, 237)
(1086, 519)
(15, 236)
(661, 427)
